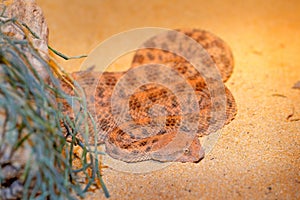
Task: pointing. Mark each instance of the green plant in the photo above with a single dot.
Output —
(34, 126)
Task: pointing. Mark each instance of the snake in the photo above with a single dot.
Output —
(160, 106)
(161, 122)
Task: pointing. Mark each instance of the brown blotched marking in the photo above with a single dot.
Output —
(100, 92)
(148, 149)
(154, 141)
(110, 80)
(138, 58)
(125, 145)
(150, 56)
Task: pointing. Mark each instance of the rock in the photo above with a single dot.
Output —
(29, 13)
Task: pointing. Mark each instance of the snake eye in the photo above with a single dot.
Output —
(186, 151)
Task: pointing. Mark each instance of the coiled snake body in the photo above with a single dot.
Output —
(145, 131)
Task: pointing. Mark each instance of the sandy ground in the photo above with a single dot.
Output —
(258, 154)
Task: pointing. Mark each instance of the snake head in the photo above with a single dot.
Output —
(194, 153)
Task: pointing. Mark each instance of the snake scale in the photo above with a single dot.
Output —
(154, 115)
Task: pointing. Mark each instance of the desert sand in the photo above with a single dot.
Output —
(258, 153)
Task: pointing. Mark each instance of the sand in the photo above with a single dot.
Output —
(258, 154)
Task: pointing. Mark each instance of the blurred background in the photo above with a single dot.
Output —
(258, 154)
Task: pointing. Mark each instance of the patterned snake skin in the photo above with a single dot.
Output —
(158, 111)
